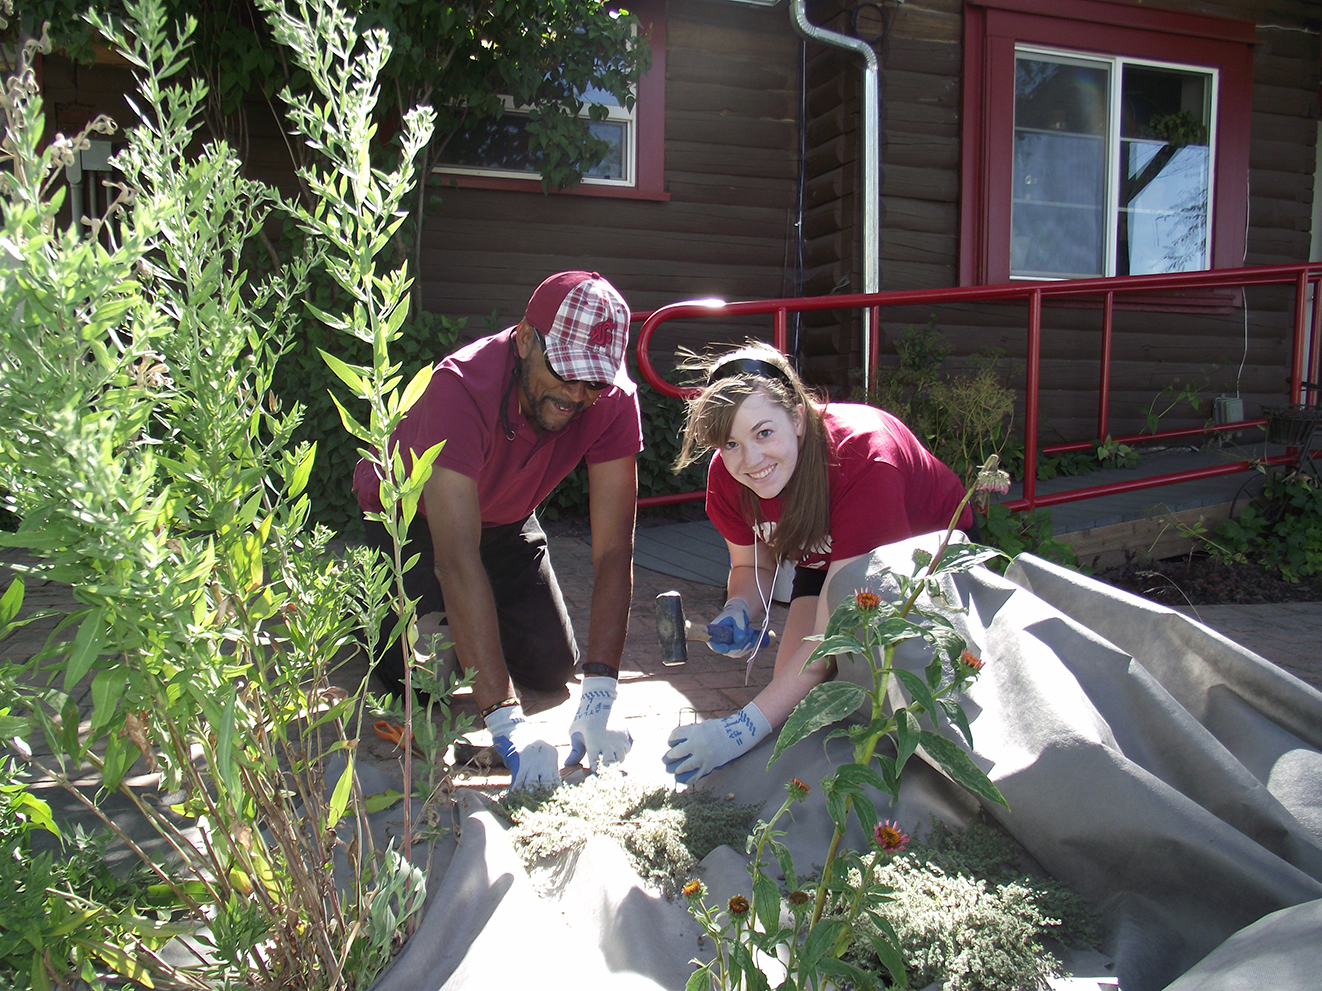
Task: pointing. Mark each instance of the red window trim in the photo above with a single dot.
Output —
(991, 30)
(650, 118)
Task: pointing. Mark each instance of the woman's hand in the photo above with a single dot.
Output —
(730, 633)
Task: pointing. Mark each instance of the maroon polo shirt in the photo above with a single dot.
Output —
(514, 474)
(884, 486)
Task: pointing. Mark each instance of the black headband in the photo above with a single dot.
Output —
(748, 366)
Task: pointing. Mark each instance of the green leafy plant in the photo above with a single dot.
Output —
(1281, 528)
(1170, 398)
(962, 419)
(152, 469)
(64, 916)
(1113, 454)
(1014, 532)
(847, 903)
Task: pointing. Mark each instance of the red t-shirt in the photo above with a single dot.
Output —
(514, 474)
(884, 486)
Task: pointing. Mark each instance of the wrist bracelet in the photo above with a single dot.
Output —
(505, 704)
(595, 669)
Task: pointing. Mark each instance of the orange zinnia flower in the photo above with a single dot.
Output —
(866, 599)
(970, 661)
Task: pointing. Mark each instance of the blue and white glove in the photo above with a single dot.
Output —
(533, 762)
(730, 634)
(590, 740)
(700, 748)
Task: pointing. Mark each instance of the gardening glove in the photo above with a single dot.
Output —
(533, 762)
(730, 634)
(589, 736)
(700, 748)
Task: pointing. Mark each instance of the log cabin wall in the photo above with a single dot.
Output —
(1154, 349)
(725, 230)
(726, 224)
(725, 227)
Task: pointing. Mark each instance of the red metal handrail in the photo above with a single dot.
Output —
(1304, 364)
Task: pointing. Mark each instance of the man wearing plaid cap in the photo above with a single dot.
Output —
(518, 411)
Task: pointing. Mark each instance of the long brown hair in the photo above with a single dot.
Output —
(731, 378)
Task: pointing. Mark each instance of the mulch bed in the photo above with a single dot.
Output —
(1199, 580)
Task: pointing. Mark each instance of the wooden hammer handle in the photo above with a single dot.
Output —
(699, 632)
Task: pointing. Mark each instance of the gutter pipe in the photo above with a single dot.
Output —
(869, 154)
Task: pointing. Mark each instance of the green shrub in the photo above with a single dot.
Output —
(1016, 531)
(1281, 528)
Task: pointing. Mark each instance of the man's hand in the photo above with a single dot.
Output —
(589, 738)
(533, 762)
(698, 749)
(730, 634)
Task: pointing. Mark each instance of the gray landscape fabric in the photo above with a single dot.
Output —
(1170, 776)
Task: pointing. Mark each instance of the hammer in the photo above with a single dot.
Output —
(674, 631)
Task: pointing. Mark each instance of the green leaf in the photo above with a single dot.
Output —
(825, 704)
(381, 800)
(840, 643)
(855, 776)
(955, 712)
(10, 603)
(70, 718)
(838, 809)
(86, 646)
(959, 765)
(298, 481)
(917, 688)
(225, 742)
(123, 964)
(116, 761)
(766, 897)
(820, 940)
(962, 557)
(340, 796)
(416, 387)
(700, 979)
(347, 374)
(907, 732)
(890, 958)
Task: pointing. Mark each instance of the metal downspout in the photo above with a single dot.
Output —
(869, 154)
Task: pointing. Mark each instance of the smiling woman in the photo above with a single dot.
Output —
(793, 478)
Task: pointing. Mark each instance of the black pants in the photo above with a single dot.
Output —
(536, 634)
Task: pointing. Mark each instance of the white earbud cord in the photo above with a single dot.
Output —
(765, 597)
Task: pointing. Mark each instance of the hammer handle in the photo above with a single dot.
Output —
(699, 632)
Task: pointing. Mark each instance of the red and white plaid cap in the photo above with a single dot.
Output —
(585, 321)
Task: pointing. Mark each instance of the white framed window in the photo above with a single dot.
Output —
(1112, 166)
(500, 148)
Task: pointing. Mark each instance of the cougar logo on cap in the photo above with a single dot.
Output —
(602, 334)
(585, 321)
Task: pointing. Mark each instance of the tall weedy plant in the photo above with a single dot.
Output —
(152, 470)
(358, 210)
